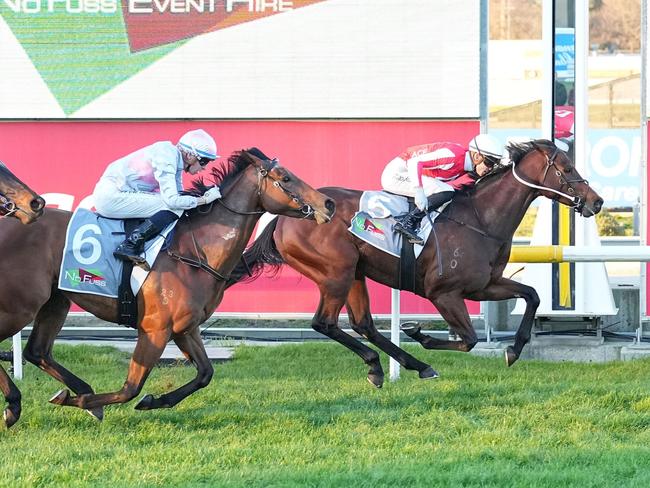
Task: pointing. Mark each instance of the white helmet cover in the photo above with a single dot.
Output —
(199, 143)
(487, 145)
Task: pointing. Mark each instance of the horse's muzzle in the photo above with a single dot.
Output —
(589, 210)
(323, 217)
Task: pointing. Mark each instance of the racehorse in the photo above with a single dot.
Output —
(174, 300)
(17, 199)
(464, 259)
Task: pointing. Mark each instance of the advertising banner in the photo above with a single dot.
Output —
(63, 161)
(217, 59)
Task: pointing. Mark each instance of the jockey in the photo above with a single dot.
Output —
(432, 172)
(147, 184)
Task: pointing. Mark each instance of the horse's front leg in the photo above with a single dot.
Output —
(504, 289)
(452, 308)
(47, 324)
(148, 350)
(193, 349)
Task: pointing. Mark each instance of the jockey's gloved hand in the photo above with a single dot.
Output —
(421, 199)
(209, 196)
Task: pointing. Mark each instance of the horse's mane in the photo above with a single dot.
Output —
(225, 174)
(516, 152)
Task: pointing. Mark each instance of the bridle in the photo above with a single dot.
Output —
(571, 195)
(7, 206)
(578, 202)
(263, 172)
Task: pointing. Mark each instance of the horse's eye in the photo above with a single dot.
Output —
(286, 179)
(568, 169)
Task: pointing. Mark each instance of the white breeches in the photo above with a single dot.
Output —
(395, 179)
(115, 204)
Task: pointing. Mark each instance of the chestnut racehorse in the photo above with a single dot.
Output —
(17, 199)
(474, 236)
(174, 300)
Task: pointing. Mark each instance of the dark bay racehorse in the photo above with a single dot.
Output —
(17, 199)
(474, 237)
(174, 300)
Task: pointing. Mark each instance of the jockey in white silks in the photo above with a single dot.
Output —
(147, 184)
(431, 173)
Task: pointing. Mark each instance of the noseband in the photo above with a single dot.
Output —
(571, 195)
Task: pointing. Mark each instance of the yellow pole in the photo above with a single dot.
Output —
(536, 254)
(564, 239)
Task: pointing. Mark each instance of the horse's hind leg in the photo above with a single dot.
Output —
(325, 321)
(12, 396)
(194, 350)
(453, 310)
(358, 306)
(148, 350)
(47, 324)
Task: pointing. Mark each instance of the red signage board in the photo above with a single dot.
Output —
(64, 160)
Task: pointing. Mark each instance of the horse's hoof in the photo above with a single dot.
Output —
(145, 403)
(511, 356)
(376, 380)
(410, 328)
(60, 397)
(429, 374)
(96, 413)
(10, 417)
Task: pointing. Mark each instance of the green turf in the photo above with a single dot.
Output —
(304, 415)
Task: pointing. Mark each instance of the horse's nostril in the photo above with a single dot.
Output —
(330, 205)
(598, 205)
(37, 204)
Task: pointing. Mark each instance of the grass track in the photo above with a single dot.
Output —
(304, 415)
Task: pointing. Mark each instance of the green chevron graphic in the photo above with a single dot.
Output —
(80, 56)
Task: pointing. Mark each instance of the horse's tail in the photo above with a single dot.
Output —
(262, 253)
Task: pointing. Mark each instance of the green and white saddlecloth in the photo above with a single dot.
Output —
(374, 222)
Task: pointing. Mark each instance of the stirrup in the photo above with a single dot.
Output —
(408, 233)
(137, 260)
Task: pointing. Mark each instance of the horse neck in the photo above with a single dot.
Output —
(502, 204)
(223, 234)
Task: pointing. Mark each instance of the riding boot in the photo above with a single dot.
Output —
(408, 224)
(438, 199)
(133, 246)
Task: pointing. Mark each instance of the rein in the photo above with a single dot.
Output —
(197, 263)
(550, 162)
(262, 173)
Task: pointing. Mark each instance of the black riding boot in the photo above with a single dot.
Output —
(133, 246)
(437, 199)
(408, 224)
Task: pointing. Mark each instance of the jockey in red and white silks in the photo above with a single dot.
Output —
(432, 172)
(147, 184)
(428, 166)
